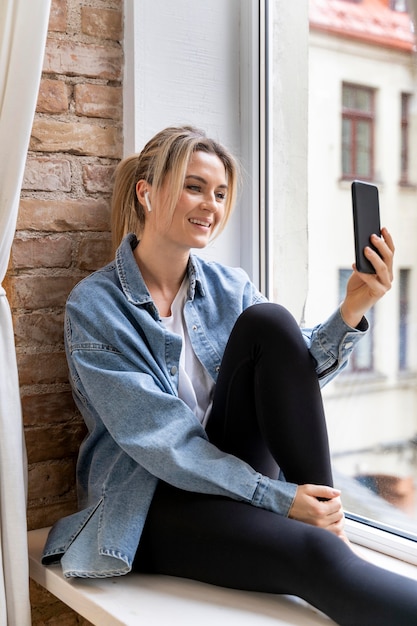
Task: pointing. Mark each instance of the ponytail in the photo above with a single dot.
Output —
(125, 217)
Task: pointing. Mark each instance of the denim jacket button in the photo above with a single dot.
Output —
(194, 327)
(174, 370)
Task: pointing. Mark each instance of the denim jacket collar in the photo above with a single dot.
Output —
(132, 282)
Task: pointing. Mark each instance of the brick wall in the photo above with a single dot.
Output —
(62, 235)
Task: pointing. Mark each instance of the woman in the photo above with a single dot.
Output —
(207, 453)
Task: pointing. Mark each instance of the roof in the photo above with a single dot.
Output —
(370, 21)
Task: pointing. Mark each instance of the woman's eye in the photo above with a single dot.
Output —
(195, 188)
(220, 195)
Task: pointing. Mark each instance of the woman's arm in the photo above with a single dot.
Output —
(332, 342)
(364, 290)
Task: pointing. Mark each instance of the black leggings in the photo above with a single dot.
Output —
(268, 411)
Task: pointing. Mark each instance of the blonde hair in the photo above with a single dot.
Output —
(168, 152)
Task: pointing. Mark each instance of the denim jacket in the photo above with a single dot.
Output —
(124, 374)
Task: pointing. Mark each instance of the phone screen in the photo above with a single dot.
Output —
(366, 221)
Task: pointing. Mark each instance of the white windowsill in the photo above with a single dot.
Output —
(139, 600)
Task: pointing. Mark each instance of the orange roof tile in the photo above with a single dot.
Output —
(371, 21)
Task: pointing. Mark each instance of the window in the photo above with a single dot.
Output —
(404, 313)
(405, 130)
(357, 132)
(366, 131)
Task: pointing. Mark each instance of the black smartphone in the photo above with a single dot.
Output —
(366, 221)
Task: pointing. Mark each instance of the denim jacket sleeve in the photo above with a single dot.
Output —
(331, 344)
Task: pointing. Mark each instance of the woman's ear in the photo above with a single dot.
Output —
(142, 193)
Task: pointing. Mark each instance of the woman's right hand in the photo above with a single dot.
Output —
(320, 506)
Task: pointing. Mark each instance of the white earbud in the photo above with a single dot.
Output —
(148, 202)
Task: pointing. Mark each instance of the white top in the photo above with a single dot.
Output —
(195, 387)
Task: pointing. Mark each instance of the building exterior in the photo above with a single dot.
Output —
(363, 125)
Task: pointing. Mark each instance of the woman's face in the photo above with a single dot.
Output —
(201, 205)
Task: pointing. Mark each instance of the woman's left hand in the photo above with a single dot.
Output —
(364, 290)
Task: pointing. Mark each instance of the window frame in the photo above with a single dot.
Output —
(355, 117)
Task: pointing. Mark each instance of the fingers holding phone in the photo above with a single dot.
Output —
(374, 252)
(382, 260)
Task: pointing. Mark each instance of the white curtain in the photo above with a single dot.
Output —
(23, 28)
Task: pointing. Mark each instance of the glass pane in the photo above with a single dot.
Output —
(348, 99)
(363, 153)
(364, 100)
(371, 407)
(357, 98)
(346, 147)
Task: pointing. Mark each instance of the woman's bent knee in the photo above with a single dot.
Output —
(269, 320)
(267, 313)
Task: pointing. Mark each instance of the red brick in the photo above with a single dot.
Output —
(94, 253)
(52, 97)
(64, 215)
(103, 23)
(51, 479)
(53, 442)
(98, 178)
(40, 292)
(98, 101)
(58, 16)
(48, 408)
(35, 252)
(42, 514)
(47, 174)
(42, 368)
(76, 138)
(80, 59)
(43, 329)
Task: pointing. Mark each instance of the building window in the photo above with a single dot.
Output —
(405, 130)
(362, 358)
(358, 118)
(404, 288)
